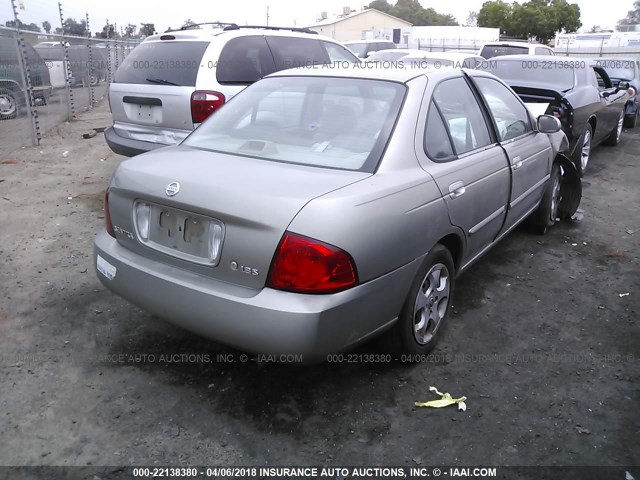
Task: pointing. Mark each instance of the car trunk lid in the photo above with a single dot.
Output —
(247, 203)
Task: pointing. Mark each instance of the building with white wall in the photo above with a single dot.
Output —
(368, 24)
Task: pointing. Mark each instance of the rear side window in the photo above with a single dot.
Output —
(244, 60)
(462, 114)
(163, 63)
(291, 52)
(436, 139)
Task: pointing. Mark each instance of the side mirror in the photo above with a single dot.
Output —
(623, 85)
(548, 124)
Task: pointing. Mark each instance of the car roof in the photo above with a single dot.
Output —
(514, 44)
(619, 59)
(401, 75)
(448, 55)
(543, 58)
(208, 34)
(379, 40)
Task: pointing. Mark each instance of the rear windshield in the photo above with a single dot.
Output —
(162, 63)
(339, 123)
(524, 73)
(490, 51)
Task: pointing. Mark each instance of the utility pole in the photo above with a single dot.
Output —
(267, 15)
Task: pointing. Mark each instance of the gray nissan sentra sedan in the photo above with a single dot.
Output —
(323, 206)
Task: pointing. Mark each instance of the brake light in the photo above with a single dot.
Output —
(305, 265)
(204, 103)
(107, 216)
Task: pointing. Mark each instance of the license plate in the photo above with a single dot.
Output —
(149, 113)
(183, 234)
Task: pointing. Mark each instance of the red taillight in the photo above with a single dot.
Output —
(107, 216)
(204, 103)
(305, 265)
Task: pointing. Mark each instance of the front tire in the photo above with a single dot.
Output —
(427, 305)
(614, 137)
(547, 212)
(8, 104)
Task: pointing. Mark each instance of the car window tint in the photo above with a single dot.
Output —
(436, 139)
(291, 52)
(337, 53)
(510, 115)
(244, 60)
(462, 114)
(171, 62)
(542, 51)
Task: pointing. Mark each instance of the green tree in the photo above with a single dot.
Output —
(71, 27)
(382, 5)
(108, 31)
(495, 14)
(47, 26)
(188, 22)
(472, 20)
(32, 27)
(130, 30)
(633, 16)
(539, 19)
(147, 29)
(413, 12)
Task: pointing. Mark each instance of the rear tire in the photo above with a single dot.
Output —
(614, 137)
(8, 104)
(426, 307)
(547, 212)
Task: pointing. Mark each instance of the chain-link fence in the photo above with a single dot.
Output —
(48, 77)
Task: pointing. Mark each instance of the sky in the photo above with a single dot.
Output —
(166, 13)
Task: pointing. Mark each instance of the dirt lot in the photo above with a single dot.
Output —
(543, 342)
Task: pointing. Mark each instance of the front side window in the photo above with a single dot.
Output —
(462, 115)
(510, 115)
(336, 123)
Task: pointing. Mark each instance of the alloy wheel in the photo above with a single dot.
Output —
(431, 303)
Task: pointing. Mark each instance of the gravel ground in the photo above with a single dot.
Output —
(543, 341)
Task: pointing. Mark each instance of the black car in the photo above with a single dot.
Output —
(577, 91)
(12, 86)
(626, 70)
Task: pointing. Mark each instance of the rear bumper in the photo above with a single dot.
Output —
(127, 146)
(261, 321)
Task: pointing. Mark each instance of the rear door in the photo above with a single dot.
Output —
(611, 106)
(469, 167)
(150, 97)
(529, 152)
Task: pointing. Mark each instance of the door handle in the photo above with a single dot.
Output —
(457, 189)
(517, 163)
